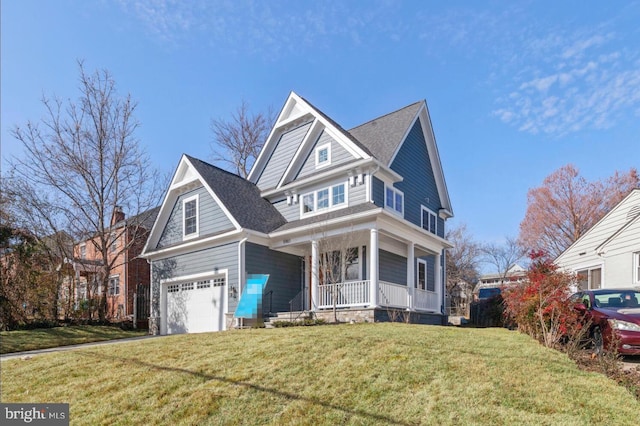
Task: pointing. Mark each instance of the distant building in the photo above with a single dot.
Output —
(515, 275)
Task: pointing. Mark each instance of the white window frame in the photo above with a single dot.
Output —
(426, 275)
(432, 216)
(396, 192)
(114, 242)
(636, 267)
(326, 162)
(195, 234)
(83, 251)
(330, 204)
(589, 270)
(114, 290)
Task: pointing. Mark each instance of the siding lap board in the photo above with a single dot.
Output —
(218, 258)
(282, 156)
(393, 268)
(285, 275)
(212, 218)
(339, 155)
(412, 162)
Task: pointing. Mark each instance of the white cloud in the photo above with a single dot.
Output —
(570, 81)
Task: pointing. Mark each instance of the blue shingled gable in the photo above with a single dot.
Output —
(412, 162)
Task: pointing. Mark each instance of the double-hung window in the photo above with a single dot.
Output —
(323, 199)
(429, 220)
(394, 200)
(190, 216)
(114, 286)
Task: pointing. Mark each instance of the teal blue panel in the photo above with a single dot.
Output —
(251, 298)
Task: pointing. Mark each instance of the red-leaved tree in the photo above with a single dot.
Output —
(539, 307)
(567, 205)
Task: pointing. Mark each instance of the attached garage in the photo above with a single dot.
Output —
(194, 306)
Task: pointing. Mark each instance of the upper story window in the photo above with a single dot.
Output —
(636, 266)
(323, 155)
(394, 199)
(83, 251)
(324, 199)
(114, 242)
(190, 217)
(429, 220)
(114, 286)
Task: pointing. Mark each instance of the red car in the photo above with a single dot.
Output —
(615, 317)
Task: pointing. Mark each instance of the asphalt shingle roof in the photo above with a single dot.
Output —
(241, 197)
(382, 135)
(339, 127)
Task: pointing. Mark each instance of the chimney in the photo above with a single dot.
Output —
(118, 215)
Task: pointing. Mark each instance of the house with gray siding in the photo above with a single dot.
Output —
(345, 223)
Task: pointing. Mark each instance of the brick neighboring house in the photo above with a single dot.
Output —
(129, 274)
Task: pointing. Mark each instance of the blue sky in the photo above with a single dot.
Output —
(515, 89)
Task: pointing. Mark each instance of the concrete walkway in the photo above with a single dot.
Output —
(37, 352)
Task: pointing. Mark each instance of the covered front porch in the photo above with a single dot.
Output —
(353, 294)
(369, 266)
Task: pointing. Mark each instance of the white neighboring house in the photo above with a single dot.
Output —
(608, 254)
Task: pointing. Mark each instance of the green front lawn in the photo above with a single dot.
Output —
(348, 374)
(43, 338)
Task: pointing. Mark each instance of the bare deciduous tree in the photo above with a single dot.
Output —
(238, 141)
(81, 162)
(339, 262)
(462, 263)
(566, 205)
(502, 256)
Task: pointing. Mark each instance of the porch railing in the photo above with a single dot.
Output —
(393, 295)
(352, 293)
(357, 293)
(426, 300)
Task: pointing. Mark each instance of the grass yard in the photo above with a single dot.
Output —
(360, 374)
(43, 338)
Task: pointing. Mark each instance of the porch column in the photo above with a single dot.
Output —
(411, 282)
(314, 275)
(438, 278)
(373, 268)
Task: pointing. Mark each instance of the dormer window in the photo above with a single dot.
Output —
(323, 155)
(394, 200)
(190, 217)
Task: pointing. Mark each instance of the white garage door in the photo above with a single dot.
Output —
(195, 306)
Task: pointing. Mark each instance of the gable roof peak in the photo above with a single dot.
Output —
(383, 135)
(410, 106)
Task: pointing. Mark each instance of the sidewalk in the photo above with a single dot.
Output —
(36, 352)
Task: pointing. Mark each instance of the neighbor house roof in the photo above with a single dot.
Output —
(241, 198)
(383, 135)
